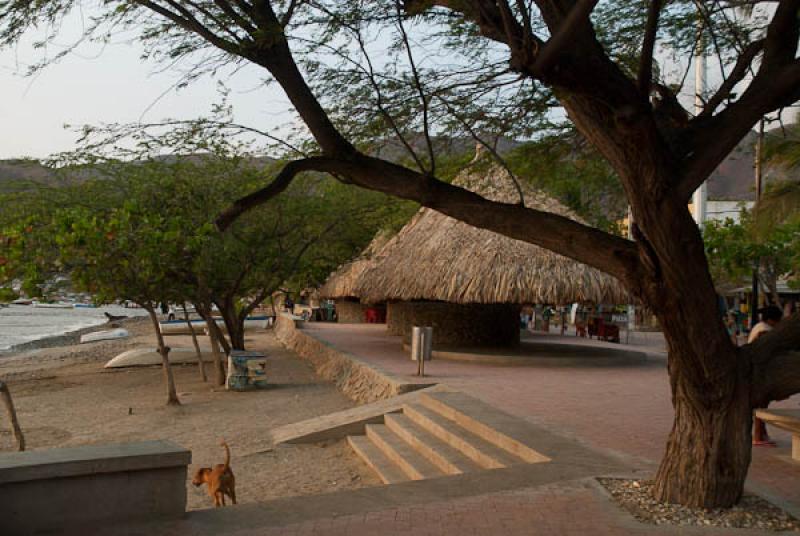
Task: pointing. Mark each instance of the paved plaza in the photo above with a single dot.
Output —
(621, 412)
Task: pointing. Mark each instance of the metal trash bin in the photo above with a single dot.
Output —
(246, 371)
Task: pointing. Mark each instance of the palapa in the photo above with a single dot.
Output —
(436, 257)
(342, 283)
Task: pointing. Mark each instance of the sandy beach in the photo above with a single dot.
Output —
(64, 397)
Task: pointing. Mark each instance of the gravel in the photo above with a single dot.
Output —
(752, 512)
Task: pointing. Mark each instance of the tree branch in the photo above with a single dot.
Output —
(713, 138)
(737, 74)
(611, 254)
(776, 359)
(565, 34)
(278, 185)
(648, 44)
(710, 139)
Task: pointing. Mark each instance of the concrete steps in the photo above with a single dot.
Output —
(444, 433)
(387, 471)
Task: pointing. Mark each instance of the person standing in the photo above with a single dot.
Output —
(770, 316)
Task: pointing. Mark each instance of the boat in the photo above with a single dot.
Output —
(179, 327)
(84, 306)
(22, 301)
(105, 335)
(251, 323)
(143, 357)
(42, 305)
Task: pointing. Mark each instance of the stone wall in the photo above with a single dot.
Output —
(360, 381)
(456, 324)
(350, 311)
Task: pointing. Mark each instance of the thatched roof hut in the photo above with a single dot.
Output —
(437, 258)
(342, 283)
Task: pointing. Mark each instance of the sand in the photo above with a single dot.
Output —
(65, 397)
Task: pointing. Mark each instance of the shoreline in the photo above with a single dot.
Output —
(69, 338)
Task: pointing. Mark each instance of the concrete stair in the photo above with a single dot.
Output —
(444, 433)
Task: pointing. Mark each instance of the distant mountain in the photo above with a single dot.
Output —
(734, 178)
(18, 174)
(23, 174)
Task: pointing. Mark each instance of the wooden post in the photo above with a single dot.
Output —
(12, 416)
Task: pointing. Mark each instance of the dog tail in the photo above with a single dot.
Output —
(227, 463)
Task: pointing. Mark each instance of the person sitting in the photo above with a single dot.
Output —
(770, 316)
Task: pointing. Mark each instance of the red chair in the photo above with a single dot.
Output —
(373, 315)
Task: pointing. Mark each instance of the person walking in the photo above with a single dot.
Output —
(770, 317)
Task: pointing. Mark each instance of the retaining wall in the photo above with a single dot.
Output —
(75, 489)
(360, 381)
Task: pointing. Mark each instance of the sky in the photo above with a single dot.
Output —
(110, 84)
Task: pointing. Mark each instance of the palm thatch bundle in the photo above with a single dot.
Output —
(342, 283)
(435, 257)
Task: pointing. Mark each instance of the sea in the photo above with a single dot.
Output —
(21, 324)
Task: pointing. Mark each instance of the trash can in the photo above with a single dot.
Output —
(246, 371)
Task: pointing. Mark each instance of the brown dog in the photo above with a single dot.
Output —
(219, 480)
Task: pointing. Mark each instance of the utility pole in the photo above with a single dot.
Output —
(758, 168)
(700, 197)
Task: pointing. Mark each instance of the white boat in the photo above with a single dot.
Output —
(179, 327)
(250, 324)
(142, 357)
(106, 335)
(22, 301)
(42, 305)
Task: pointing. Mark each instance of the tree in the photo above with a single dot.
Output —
(736, 249)
(134, 252)
(600, 69)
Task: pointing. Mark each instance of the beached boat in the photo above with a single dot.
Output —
(84, 306)
(42, 305)
(251, 323)
(143, 357)
(105, 335)
(22, 301)
(179, 327)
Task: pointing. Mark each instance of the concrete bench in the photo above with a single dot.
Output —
(96, 485)
(787, 419)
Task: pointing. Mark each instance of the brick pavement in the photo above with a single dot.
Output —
(622, 410)
(569, 509)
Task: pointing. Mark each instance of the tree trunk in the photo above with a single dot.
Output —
(163, 349)
(200, 362)
(708, 450)
(233, 324)
(214, 338)
(12, 416)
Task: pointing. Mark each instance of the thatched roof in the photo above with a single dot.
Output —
(342, 282)
(435, 257)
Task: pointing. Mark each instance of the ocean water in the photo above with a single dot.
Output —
(24, 323)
